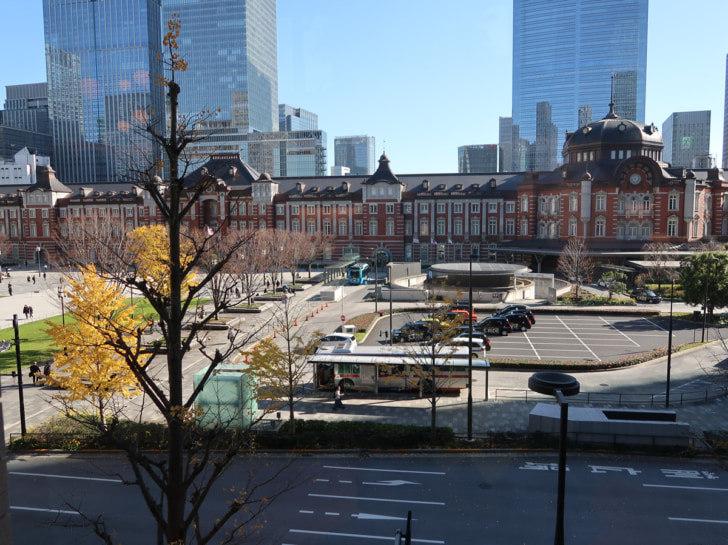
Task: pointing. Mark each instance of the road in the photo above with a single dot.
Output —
(454, 499)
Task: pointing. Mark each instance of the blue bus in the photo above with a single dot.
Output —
(358, 273)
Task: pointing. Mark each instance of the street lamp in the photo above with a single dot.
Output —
(560, 386)
(389, 274)
(376, 280)
(131, 280)
(470, 347)
(669, 346)
(705, 302)
(38, 250)
(61, 295)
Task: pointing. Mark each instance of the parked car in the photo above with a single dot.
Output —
(479, 337)
(645, 296)
(337, 338)
(509, 308)
(460, 314)
(412, 332)
(519, 322)
(464, 331)
(493, 325)
(478, 347)
(516, 308)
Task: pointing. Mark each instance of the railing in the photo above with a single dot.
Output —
(617, 398)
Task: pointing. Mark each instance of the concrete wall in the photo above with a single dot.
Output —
(592, 425)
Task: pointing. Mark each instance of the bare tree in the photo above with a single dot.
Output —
(659, 254)
(575, 263)
(281, 365)
(248, 266)
(315, 248)
(177, 480)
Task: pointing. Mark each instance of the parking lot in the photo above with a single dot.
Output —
(573, 336)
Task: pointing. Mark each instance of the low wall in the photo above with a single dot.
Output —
(612, 426)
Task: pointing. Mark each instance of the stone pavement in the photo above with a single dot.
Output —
(495, 415)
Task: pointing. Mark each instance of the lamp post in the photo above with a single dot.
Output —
(708, 278)
(61, 295)
(389, 274)
(38, 250)
(560, 386)
(470, 348)
(131, 280)
(376, 280)
(669, 346)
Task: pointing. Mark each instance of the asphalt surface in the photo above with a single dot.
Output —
(696, 374)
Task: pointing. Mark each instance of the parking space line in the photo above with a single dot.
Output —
(525, 334)
(621, 333)
(654, 324)
(579, 339)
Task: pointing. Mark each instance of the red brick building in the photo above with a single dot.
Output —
(613, 191)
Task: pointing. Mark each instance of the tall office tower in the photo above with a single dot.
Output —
(687, 138)
(585, 115)
(231, 49)
(725, 118)
(565, 53)
(478, 158)
(288, 153)
(296, 119)
(99, 57)
(24, 123)
(505, 144)
(355, 152)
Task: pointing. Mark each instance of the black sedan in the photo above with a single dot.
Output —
(519, 321)
(493, 325)
(644, 295)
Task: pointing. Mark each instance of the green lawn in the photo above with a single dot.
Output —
(36, 345)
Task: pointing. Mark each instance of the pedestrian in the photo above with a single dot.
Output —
(386, 335)
(267, 285)
(337, 399)
(10, 289)
(33, 279)
(28, 279)
(47, 369)
(25, 311)
(231, 335)
(30, 311)
(44, 275)
(34, 371)
(237, 293)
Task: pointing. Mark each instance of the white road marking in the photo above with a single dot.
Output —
(525, 334)
(391, 483)
(317, 480)
(387, 470)
(345, 482)
(369, 516)
(706, 488)
(679, 519)
(361, 536)
(579, 339)
(654, 324)
(359, 498)
(64, 477)
(620, 332)
(54, 511)
(330, 514)
(305, 512)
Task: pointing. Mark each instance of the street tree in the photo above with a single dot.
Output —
(315, 248)
(659, 255)
(430, 364)
(614, 281)
(87, 369)
(176, 479)
(281, 364)
(575, 263)
(703, 279)
(248, 265)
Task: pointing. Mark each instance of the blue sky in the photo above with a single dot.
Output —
(424, 80)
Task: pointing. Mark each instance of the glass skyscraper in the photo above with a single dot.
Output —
(478, 158)
(355, 152)
(569, 56)
(99, 57)
(687, 139)
(231, 47)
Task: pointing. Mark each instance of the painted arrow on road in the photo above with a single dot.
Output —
(392, 483)
(369, 516)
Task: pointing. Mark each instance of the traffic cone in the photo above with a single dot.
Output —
(317, 311)
(274, 334)
(322, 307)
(295, 322)
(306, 319)
(312, 314)
(327, 304)
(246, 358)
